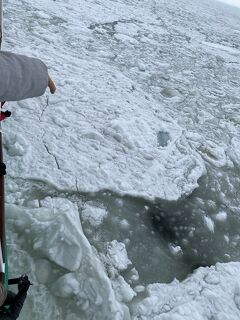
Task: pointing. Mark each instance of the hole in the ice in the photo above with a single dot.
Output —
(163, 138)
(201, 225)
(168, 92)
(161, 225)
(166, 240)
(184, 233)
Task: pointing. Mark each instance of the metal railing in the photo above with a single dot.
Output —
(2, 218)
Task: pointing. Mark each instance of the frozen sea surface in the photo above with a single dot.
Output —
(128, 177)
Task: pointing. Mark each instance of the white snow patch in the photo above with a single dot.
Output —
(208, 293)
(221, 216)
(117, 254)
(16, 145)
(235, 3)
(93, 214)
(175, 250)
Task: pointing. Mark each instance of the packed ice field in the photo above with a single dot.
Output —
(122, 192)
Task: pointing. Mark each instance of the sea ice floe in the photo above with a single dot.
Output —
(66, 264)
(115, 142)
(93, 214)
(66, 286)
(175, 250)
(122, 289)
(221, 216)
(62, 232)
(208, 293)
(117, 254)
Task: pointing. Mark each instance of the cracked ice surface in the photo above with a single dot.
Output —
(148, 96)
(101, 131)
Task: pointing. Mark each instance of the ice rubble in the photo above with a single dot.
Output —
(109, 132)
(210, 293)
(53, 234)
(93, 214)
(117, 253)
(60, 243)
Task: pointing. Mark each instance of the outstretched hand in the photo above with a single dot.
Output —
(51, 85)
(24, 283)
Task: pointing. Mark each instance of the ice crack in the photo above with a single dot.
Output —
(51, 154)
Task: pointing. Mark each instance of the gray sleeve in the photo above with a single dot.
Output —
(21, 77)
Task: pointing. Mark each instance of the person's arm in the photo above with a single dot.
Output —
(5, 317)
(15, 308)
(22, 77)
(16, 305)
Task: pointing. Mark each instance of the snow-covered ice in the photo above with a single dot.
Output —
(110, 127)
(116, 252)
(221, 216)
(147, 109)
(210, 293)
(81, 280)
(94, 215)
